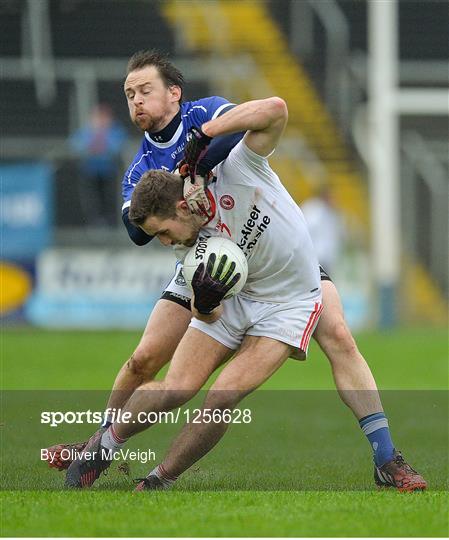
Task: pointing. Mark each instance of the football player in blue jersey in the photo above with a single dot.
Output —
(154, 89)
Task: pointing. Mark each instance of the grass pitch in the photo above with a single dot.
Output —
(302, 468)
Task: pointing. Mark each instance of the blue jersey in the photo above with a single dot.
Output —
(167, 155)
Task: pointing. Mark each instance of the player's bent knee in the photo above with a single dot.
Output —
(223, 397)
(145, 363)
(341, 338)
(179, 390)
(174, 398)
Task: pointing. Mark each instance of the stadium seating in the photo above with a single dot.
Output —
(22, 116)
(10, 23)
(87, 29)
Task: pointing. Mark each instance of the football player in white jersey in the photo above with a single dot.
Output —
(263, 323)
(352, 375)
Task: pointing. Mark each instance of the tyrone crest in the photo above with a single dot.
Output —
(227, 202)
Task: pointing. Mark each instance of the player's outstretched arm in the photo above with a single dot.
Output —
(263, 119)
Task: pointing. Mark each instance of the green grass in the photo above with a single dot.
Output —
(34, 359)
(301, 468)
(230, 514)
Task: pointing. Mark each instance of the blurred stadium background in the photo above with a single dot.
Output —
(366, 86)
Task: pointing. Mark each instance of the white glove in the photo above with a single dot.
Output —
(196, 197)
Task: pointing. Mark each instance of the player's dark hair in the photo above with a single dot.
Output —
(169, 73)
(156, 194)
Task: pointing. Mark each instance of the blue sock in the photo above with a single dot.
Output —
(375, 427)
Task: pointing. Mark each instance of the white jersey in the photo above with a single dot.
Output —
(255, 211)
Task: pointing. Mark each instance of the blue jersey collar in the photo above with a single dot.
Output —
(167, 136)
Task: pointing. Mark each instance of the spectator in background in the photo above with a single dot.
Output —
(326, 228)
(98, 146)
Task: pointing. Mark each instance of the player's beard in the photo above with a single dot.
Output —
(148, 123)
(196, 225)
(191, 241)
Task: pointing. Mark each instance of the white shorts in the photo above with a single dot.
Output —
(179, 292)
(292, 323)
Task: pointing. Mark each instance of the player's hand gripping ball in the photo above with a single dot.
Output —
(219, 261)
(195, 186)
